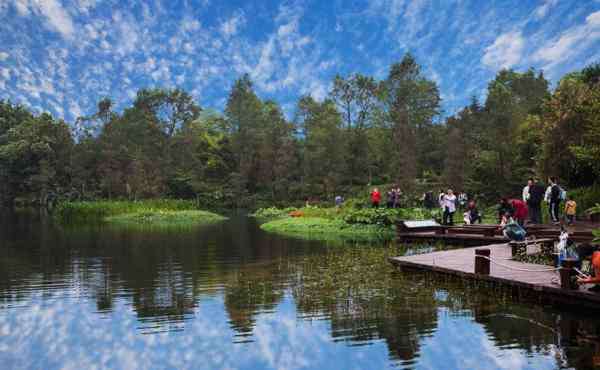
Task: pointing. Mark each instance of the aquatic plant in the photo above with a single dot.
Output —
(315, 228)
(89, 211)
(166, 218)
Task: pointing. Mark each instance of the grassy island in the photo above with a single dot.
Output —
(330, 223)
(161, 213)
(316, 228)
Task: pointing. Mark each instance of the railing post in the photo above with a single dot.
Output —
(482, 262)
(567, 273)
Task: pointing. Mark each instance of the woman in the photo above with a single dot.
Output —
(591, 252)
(375, 198)
(449, 205)
(472, 214)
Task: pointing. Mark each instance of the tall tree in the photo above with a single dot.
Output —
(410, 101)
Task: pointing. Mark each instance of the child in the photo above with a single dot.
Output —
(570, 210)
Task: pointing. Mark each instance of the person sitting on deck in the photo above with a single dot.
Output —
(591, 252)
(504, 208)
(513, 230)
(472, 216)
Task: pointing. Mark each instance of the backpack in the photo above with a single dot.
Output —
(562, 195)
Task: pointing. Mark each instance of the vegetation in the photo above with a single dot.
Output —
(366, 131)
(165, 218)
(316, 228)
(156, 213)
(99, 210)
(332, 223)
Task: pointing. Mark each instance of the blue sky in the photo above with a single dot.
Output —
(63, 55)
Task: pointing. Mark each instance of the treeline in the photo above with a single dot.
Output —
(365, 132)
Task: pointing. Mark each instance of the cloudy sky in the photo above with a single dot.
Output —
(63, 55)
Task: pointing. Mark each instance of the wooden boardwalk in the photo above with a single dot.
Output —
(504, 271)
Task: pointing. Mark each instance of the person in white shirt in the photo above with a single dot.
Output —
(449, 205)
(526, 190)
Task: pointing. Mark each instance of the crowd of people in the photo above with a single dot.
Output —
(393, 197)
(528, 208)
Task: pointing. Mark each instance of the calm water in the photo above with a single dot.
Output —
(232, 297)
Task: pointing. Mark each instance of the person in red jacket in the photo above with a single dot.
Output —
(375, 198)
(520, 210)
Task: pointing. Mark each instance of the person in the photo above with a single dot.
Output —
(553, 197)
(428, 200)
(441, 199)
(526, 190)
(504, 209)
(513, 230)
(570, 210)
(592, 252)
(375, 198)
(397, 198)
(338, 201)
(462, 199)
(472, 215)
(391, 198)
(535, 195)
(449, 205)
(519, 211)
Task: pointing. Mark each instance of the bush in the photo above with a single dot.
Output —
(273, 212)
(387, 216)
(586, 198)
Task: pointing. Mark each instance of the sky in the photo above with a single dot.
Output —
(63, 56)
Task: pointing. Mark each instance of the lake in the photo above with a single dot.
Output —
(229, 296)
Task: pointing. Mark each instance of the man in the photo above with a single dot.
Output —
(535, 195)
(554, 195)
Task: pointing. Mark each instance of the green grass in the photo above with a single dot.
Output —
(98, 211)
(318, 228)
(166, 218)
(156, 213)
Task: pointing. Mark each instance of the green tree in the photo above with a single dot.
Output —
(410, 102)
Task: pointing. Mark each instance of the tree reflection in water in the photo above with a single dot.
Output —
(165, 277)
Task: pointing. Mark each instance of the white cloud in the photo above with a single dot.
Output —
(3, 56)
(58, 18)
(505, 52)
(571, 42)
(231, 26)
(541, 11)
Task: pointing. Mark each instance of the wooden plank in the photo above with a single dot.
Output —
(503, 270)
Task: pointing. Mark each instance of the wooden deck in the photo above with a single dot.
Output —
(506, 272)
(479, 235)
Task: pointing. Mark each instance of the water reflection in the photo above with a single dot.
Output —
(229, 295)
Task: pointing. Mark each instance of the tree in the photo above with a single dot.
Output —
(244, 115)
(35, 156)
(410, 102)
(356, 99)
(323, 153)
(571, 132)
(173, 109)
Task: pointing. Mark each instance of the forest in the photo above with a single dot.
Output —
(366, 132)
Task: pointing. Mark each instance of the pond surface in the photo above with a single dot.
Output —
(229, 296)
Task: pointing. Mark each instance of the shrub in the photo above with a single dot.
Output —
(586, 198)
(273, 212)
